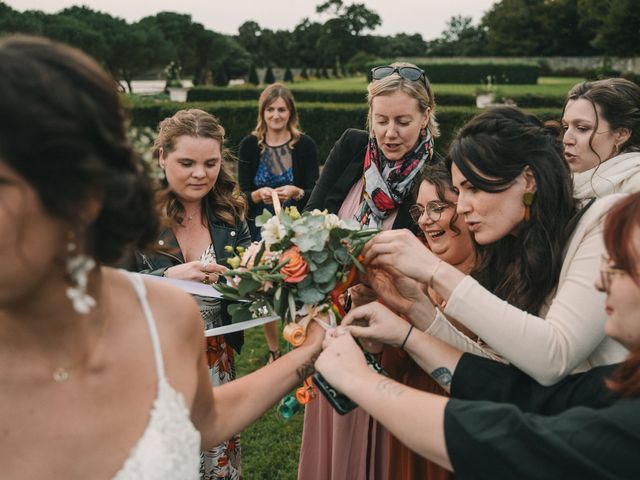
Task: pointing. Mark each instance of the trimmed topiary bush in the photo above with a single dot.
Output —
(220, 78)
(288, 75)
(269, 77)
(253, 76)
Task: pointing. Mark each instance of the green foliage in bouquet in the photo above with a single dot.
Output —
(301, 259)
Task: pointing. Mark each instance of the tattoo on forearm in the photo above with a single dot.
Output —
(443, 376)
(307, 368)
(394, 389)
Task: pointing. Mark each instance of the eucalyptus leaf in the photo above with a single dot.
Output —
(320, 256)
(311, 296)
(306, 282)
(325, 273)
(263, 218)
(341, 255)
(328, 286)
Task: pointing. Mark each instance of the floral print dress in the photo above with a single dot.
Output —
(222, 461)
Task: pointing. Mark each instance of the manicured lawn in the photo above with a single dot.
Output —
(270, 447)
(546, 85)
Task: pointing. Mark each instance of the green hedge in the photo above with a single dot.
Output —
(323, 122)
(470, 71)
(219, 94)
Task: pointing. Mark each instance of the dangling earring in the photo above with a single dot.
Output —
(78, 267)
(423, 132)
(527, 200)
(615, 149)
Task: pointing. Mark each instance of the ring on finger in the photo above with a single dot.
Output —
(207, 279)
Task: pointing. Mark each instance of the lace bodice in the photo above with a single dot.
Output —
(169, 448)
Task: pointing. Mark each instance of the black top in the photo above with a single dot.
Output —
(168, 254)
(576, 429)
(304, 157)
(342, 170)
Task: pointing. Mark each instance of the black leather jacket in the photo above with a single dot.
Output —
(168, 254)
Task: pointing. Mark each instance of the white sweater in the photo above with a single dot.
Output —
(568, 335)
(620, 174)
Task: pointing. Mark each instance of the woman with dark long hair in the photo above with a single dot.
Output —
(501, 423)
(103, 374)
(530, 298)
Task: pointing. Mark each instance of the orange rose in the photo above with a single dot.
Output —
(296, 269)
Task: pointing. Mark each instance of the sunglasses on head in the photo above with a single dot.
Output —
(408, 73)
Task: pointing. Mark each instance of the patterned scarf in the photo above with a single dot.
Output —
(387, 182)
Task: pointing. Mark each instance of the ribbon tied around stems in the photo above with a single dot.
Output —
(306, 392)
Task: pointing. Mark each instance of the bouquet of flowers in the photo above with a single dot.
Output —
(303, 263)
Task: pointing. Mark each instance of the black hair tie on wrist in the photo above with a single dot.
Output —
(407, 337)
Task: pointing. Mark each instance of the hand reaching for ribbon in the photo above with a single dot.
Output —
(341, 359)
(376, 322)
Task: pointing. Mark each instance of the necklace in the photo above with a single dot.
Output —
(61, 373)
(190, 217)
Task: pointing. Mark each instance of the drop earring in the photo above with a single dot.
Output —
(78, 266)
(527, 200)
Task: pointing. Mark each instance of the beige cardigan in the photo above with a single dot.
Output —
(567, 337)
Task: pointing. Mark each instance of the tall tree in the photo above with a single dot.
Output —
(620, 31)
(512, 28)
(460, 38)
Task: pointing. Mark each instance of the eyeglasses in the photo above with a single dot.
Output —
(408, 73)
(607, 271)
(434, 210)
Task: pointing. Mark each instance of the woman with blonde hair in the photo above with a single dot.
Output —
(276, 158)
(370, 177)
(202, 211)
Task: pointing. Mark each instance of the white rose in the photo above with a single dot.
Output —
(273, 231)
(332, 221)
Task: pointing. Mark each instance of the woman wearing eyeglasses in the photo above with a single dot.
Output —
(447, 236)
(501, 423)
(370, 177)
(531, 299)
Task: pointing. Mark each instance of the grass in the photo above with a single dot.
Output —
(271, 446)
(546, 86)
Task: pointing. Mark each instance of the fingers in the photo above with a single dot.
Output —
(214, 268)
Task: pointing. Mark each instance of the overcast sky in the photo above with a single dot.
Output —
(427, 17)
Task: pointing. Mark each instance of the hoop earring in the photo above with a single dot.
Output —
(527, 200)
(78, 266)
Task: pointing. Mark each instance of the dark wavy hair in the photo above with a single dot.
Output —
(63, 132)
(491, 151)
(438, 175)
(621, 229)
(224, 201)
(619, 102)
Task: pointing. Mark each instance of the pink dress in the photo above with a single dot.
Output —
(352, 446)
